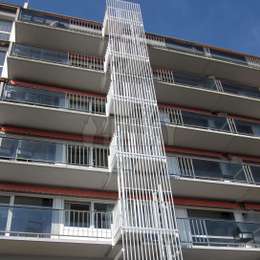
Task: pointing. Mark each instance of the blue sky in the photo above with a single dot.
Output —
(233, 24)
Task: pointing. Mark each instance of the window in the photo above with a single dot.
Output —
(88, 214)
(77, 214)
(102, 218)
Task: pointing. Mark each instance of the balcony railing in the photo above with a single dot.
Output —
(36, 150)
(189, 118)
(64, 58)
(218, 233)
(51, 98)
(72, 24)
(210, 169)
(192, 119)
(194, 81)
(49, 223)
(195, 49)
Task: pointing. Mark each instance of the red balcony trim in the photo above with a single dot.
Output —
(186, 108)
(211, 154)
(54, 135)
(207, 112)
(195, 152)
(58, 191)
(112, 195)
(252, 206)
(180, 201)
(55, 89)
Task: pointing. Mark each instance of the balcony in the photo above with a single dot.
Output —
(202, 238)
(186, 128)
(54, 109)
(59, 68)
(36, 28)
(186, 56)
(40, 161)
(48, 231)
(206, 92)
(214, 178)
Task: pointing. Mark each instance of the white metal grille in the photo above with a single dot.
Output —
(148, 229)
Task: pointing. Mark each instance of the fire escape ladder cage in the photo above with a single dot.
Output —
(149, 229)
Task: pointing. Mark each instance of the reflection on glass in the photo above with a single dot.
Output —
(248, 128)
(39, 54)
(205, 121)
(228, 56)
(241, 90)
(34, 96)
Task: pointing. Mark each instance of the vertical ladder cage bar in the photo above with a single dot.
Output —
(143, 177)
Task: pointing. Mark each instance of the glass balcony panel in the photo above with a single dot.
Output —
(36, 221)
(40, 18)
(205, 121)
(255, 171)
(215, 232)
(8, 147)
(33, 96)
(218, 170)
(39, 54)
(51, 152)
(4, 36)
(50, 98)
(37, 151)
(2, 57)
(194, 81)
(228, 57)
(247, 128)
(240, 90)
(6, 26)
(3, 218)
(184, 47)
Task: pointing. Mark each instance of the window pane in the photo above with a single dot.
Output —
(77, 214)
(2, 57)
(4, 36)
(102, 215)
(33, 201)
(5, 25)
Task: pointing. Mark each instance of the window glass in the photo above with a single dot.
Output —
(5, 25)
(77, 214)
(35, 96)
(32, 221)
(4, 36)
(102, 215)
(217, 223)
(8, 147)
(2, 57)
(249, 128)
(37, 151)
(4, 201)
(33, 201)
(207, 169)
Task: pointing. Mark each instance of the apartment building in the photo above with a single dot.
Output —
(122, 144)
